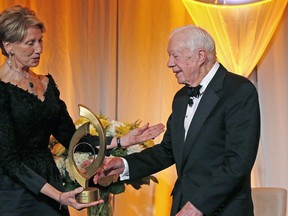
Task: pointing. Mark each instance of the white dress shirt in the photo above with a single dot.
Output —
(196, 100)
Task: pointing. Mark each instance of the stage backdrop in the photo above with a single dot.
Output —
(110, 55)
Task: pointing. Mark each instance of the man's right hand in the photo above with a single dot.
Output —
(109, 171)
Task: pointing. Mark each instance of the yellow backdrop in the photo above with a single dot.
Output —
(242, 32)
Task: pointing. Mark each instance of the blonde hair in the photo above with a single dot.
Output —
(14, 23)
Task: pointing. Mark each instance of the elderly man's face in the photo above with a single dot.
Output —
(182, 60)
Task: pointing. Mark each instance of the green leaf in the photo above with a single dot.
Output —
(119, 152)
(154, 179)
(117, 188)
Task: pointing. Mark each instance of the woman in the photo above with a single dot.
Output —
(30, 112)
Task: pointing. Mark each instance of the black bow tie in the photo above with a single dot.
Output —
(192, 93)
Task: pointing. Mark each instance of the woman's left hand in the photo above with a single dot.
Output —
(68, 198)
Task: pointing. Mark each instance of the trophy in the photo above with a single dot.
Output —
(89, 194)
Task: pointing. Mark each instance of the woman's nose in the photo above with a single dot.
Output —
(39, 48)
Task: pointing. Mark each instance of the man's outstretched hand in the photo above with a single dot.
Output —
(142, 134)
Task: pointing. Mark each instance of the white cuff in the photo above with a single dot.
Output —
(125, 174)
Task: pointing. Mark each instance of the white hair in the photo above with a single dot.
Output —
(196, 38)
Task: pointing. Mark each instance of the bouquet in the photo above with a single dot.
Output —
(112, 128)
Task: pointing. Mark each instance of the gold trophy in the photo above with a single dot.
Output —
(89, 194)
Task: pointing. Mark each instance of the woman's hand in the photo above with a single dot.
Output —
(142, 134)
(68, 198)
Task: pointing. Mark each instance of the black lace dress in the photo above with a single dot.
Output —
(26, 163)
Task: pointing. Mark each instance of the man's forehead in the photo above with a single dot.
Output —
(179, 48)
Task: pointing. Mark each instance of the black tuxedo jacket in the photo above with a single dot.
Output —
(214, 163)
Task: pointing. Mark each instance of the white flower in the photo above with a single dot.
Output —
(134, 149)
(60, 163)
(79, 158)
(111, 130)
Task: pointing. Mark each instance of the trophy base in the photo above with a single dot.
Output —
(88, 195)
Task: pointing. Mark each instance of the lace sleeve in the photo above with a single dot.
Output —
(64, 127)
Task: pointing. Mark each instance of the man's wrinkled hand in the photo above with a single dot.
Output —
(189, 210)
(109, 171)
(142, 134)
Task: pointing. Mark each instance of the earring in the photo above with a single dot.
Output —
(9, 58)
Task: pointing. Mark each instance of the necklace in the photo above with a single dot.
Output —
(27, 77)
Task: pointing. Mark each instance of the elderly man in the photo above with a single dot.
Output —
(212, 133)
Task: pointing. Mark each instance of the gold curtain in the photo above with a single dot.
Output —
(242, 32)
(110, 55)
(146, 87)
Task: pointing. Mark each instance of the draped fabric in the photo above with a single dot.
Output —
(241, 32)
(272, 85)
(110, 55)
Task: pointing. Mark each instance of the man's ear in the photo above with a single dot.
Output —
(201, 56)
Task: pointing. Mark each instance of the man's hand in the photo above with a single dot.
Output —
(142, 134)
(189, 210)
(109, 171)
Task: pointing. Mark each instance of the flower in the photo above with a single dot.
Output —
(112, 128)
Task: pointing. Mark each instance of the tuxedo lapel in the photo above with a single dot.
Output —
(180, 111)
(206, 105)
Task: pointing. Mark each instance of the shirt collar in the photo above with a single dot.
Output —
(209, 77)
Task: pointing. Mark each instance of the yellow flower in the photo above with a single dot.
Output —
(126, 127)
(80, 121)
(122, 130)
(104, 121)
(148, 143)
(58, 149)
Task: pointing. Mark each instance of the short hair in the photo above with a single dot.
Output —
(195, 38)
(14, 22)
